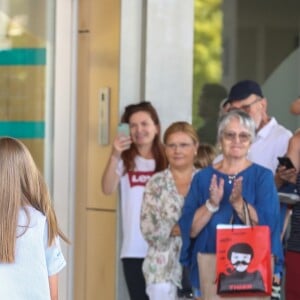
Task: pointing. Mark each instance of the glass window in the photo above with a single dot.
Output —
(26, 30)
(245, 39)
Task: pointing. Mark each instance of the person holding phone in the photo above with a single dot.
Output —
(134, 159)
(285, 162)
(291, 176)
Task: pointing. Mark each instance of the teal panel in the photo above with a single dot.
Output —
(23, 129)
(23, 56)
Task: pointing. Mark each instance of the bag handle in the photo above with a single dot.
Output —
(246, 212)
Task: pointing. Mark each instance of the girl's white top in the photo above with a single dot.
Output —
(35, 261)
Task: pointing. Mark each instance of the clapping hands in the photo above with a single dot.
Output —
(216, 190)
(236, 198)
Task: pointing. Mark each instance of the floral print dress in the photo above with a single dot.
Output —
(161, 210)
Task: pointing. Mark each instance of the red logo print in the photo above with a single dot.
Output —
(139, 178)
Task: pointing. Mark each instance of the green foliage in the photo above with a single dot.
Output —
(207, 48)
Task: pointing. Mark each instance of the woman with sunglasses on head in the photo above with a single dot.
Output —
(161, 209)
(133, 160)
(224, 189)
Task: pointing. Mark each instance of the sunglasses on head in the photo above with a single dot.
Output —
(138, 105)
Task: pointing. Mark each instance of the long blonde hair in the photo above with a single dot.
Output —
(21, 184)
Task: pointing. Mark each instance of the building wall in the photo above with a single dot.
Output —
(62, 160)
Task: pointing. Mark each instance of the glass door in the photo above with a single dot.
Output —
(26, 85)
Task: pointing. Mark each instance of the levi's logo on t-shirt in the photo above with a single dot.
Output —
(139, 177)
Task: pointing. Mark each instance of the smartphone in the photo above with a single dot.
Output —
(123, 129)
(285, 161)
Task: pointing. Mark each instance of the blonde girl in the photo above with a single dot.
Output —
(30, 255)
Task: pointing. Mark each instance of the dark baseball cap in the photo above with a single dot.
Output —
(243, 89)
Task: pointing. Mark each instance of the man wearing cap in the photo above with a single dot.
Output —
(271, 138)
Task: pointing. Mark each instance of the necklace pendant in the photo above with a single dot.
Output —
(231, 178)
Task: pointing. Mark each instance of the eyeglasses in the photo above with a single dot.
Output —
(231, 136)
(246, 107)
(181, 146)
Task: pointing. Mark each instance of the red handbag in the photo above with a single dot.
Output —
(244, 261)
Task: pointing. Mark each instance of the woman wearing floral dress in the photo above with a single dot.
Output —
(161, 209)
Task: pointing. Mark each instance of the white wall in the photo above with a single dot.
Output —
(169, 58)
(64, 133)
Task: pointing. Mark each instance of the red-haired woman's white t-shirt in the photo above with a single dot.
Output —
(132, 187)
